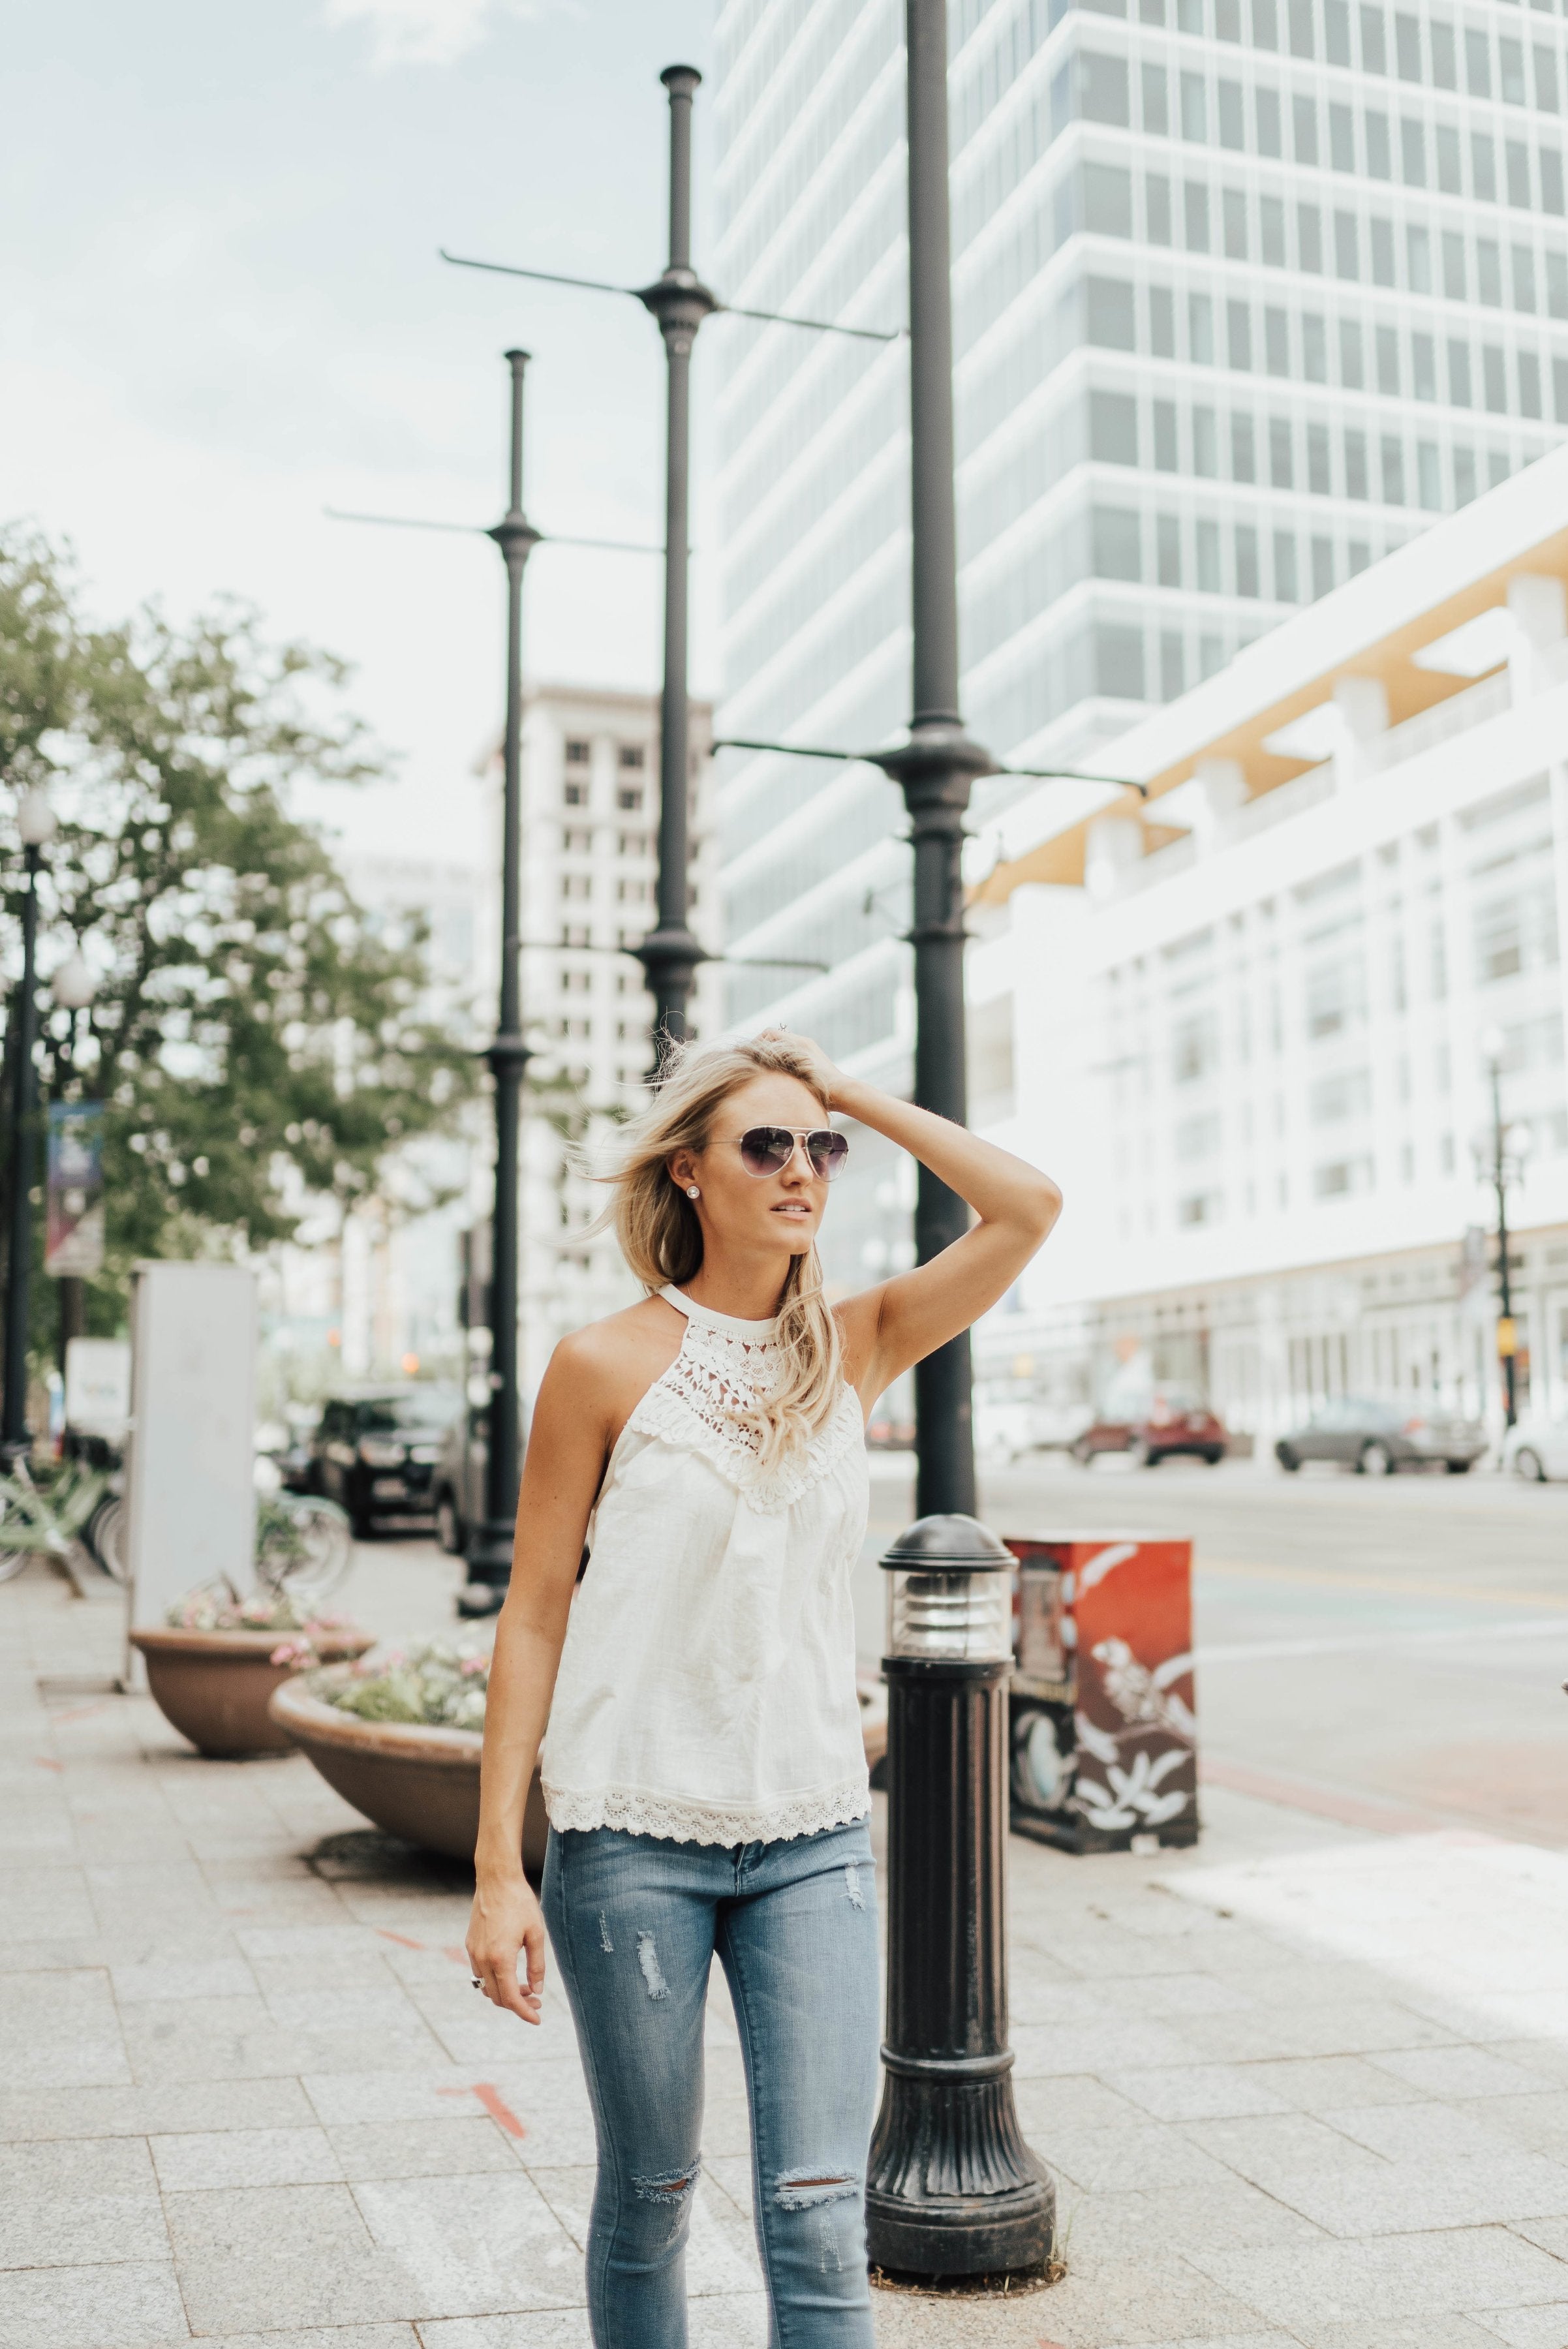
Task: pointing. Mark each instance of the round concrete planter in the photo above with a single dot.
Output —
(417, 1783)
(423, 1784)
(214, 1687)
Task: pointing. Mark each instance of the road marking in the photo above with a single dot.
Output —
(1242, 1651)
(1322, 1802)
(490, 2096)
(1247, 1571)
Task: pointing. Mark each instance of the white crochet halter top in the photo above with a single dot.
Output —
(706, 1690)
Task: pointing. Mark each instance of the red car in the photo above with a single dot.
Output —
(1171, 1420)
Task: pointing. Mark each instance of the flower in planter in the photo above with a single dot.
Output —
(218, 1607)
(435, 1684)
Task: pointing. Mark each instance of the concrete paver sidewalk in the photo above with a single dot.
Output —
(1305, 2086)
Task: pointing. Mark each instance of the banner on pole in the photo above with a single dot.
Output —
(72, 1244)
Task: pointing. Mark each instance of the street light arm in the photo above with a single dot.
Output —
(600, 286)
(404, 522)
(477, 530)
(877, 758)
(817, 326)
(541, 276)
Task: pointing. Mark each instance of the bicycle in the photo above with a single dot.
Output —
(304, 1546)
(44, 1520)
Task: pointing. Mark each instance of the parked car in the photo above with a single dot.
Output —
(1537, 1448)
(1009, 1429)
(374, 1451)
(1169, 1421)
(459, 1477)
(1377, 1439)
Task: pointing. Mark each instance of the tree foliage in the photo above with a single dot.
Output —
(255, 1038)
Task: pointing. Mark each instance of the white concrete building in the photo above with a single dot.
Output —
(1247, 292)
(383, 1297)
(590, 862)
(376, 1296)
(1246, 1019)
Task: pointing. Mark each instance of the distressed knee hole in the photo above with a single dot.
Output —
(806, 2190)
(652, 1971)
(678, 2187)
(852, 1885)
(605, 1942)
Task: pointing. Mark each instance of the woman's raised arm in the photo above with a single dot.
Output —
(900, 1321)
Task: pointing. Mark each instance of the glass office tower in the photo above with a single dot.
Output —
(1245, 292)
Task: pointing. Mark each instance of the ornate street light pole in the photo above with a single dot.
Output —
(680, 301)
(952, 2189)
(489, 1556)
(1499, 1161)
(73, 987)
(35, 824)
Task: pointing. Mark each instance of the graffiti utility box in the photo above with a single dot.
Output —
(1103, 1734)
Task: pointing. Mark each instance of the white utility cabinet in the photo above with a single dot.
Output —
(191, 1461)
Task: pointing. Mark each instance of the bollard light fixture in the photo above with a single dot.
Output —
(952, 2189)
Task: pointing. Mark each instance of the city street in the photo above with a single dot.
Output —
(1403, 1641)
(1304, 2087)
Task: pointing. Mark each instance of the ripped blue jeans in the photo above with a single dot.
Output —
(635, 1922)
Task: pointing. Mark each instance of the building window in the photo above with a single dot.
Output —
(1342, 1178)
(575, 793)
(576, 885)
(631, 755)
(578, 751)
(628, 798)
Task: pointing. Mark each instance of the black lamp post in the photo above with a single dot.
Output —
(1499, 1161)
(952, 2189)
(680, 301)
(35, 824)
(73, 988)
(488, 1558)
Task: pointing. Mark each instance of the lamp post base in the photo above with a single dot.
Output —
(963, 2235)
(955, 2189)
(489, 1563)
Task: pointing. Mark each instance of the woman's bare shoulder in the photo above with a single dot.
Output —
(624, 1353)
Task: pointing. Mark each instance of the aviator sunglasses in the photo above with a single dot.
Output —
(768, 1149)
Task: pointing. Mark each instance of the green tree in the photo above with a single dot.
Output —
(256, 1041)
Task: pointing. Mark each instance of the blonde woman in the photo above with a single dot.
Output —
(702, 1764)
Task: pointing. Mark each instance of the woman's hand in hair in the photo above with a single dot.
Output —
(820, 1073)
(889, 1328)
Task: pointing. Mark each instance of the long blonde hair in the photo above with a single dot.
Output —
(661, 1239)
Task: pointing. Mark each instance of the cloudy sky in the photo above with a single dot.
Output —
(220, 309)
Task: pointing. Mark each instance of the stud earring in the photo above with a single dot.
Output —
(692, 1192)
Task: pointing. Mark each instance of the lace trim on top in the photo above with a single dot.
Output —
(724, 1366)
(673, 1820)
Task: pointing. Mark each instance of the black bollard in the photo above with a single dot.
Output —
(954, 2190)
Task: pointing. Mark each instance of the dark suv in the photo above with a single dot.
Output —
(374, 1452)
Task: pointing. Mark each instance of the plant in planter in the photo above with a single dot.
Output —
(398, 1737)
(213, 1667)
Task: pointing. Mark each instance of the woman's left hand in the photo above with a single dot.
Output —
(830, 1081)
